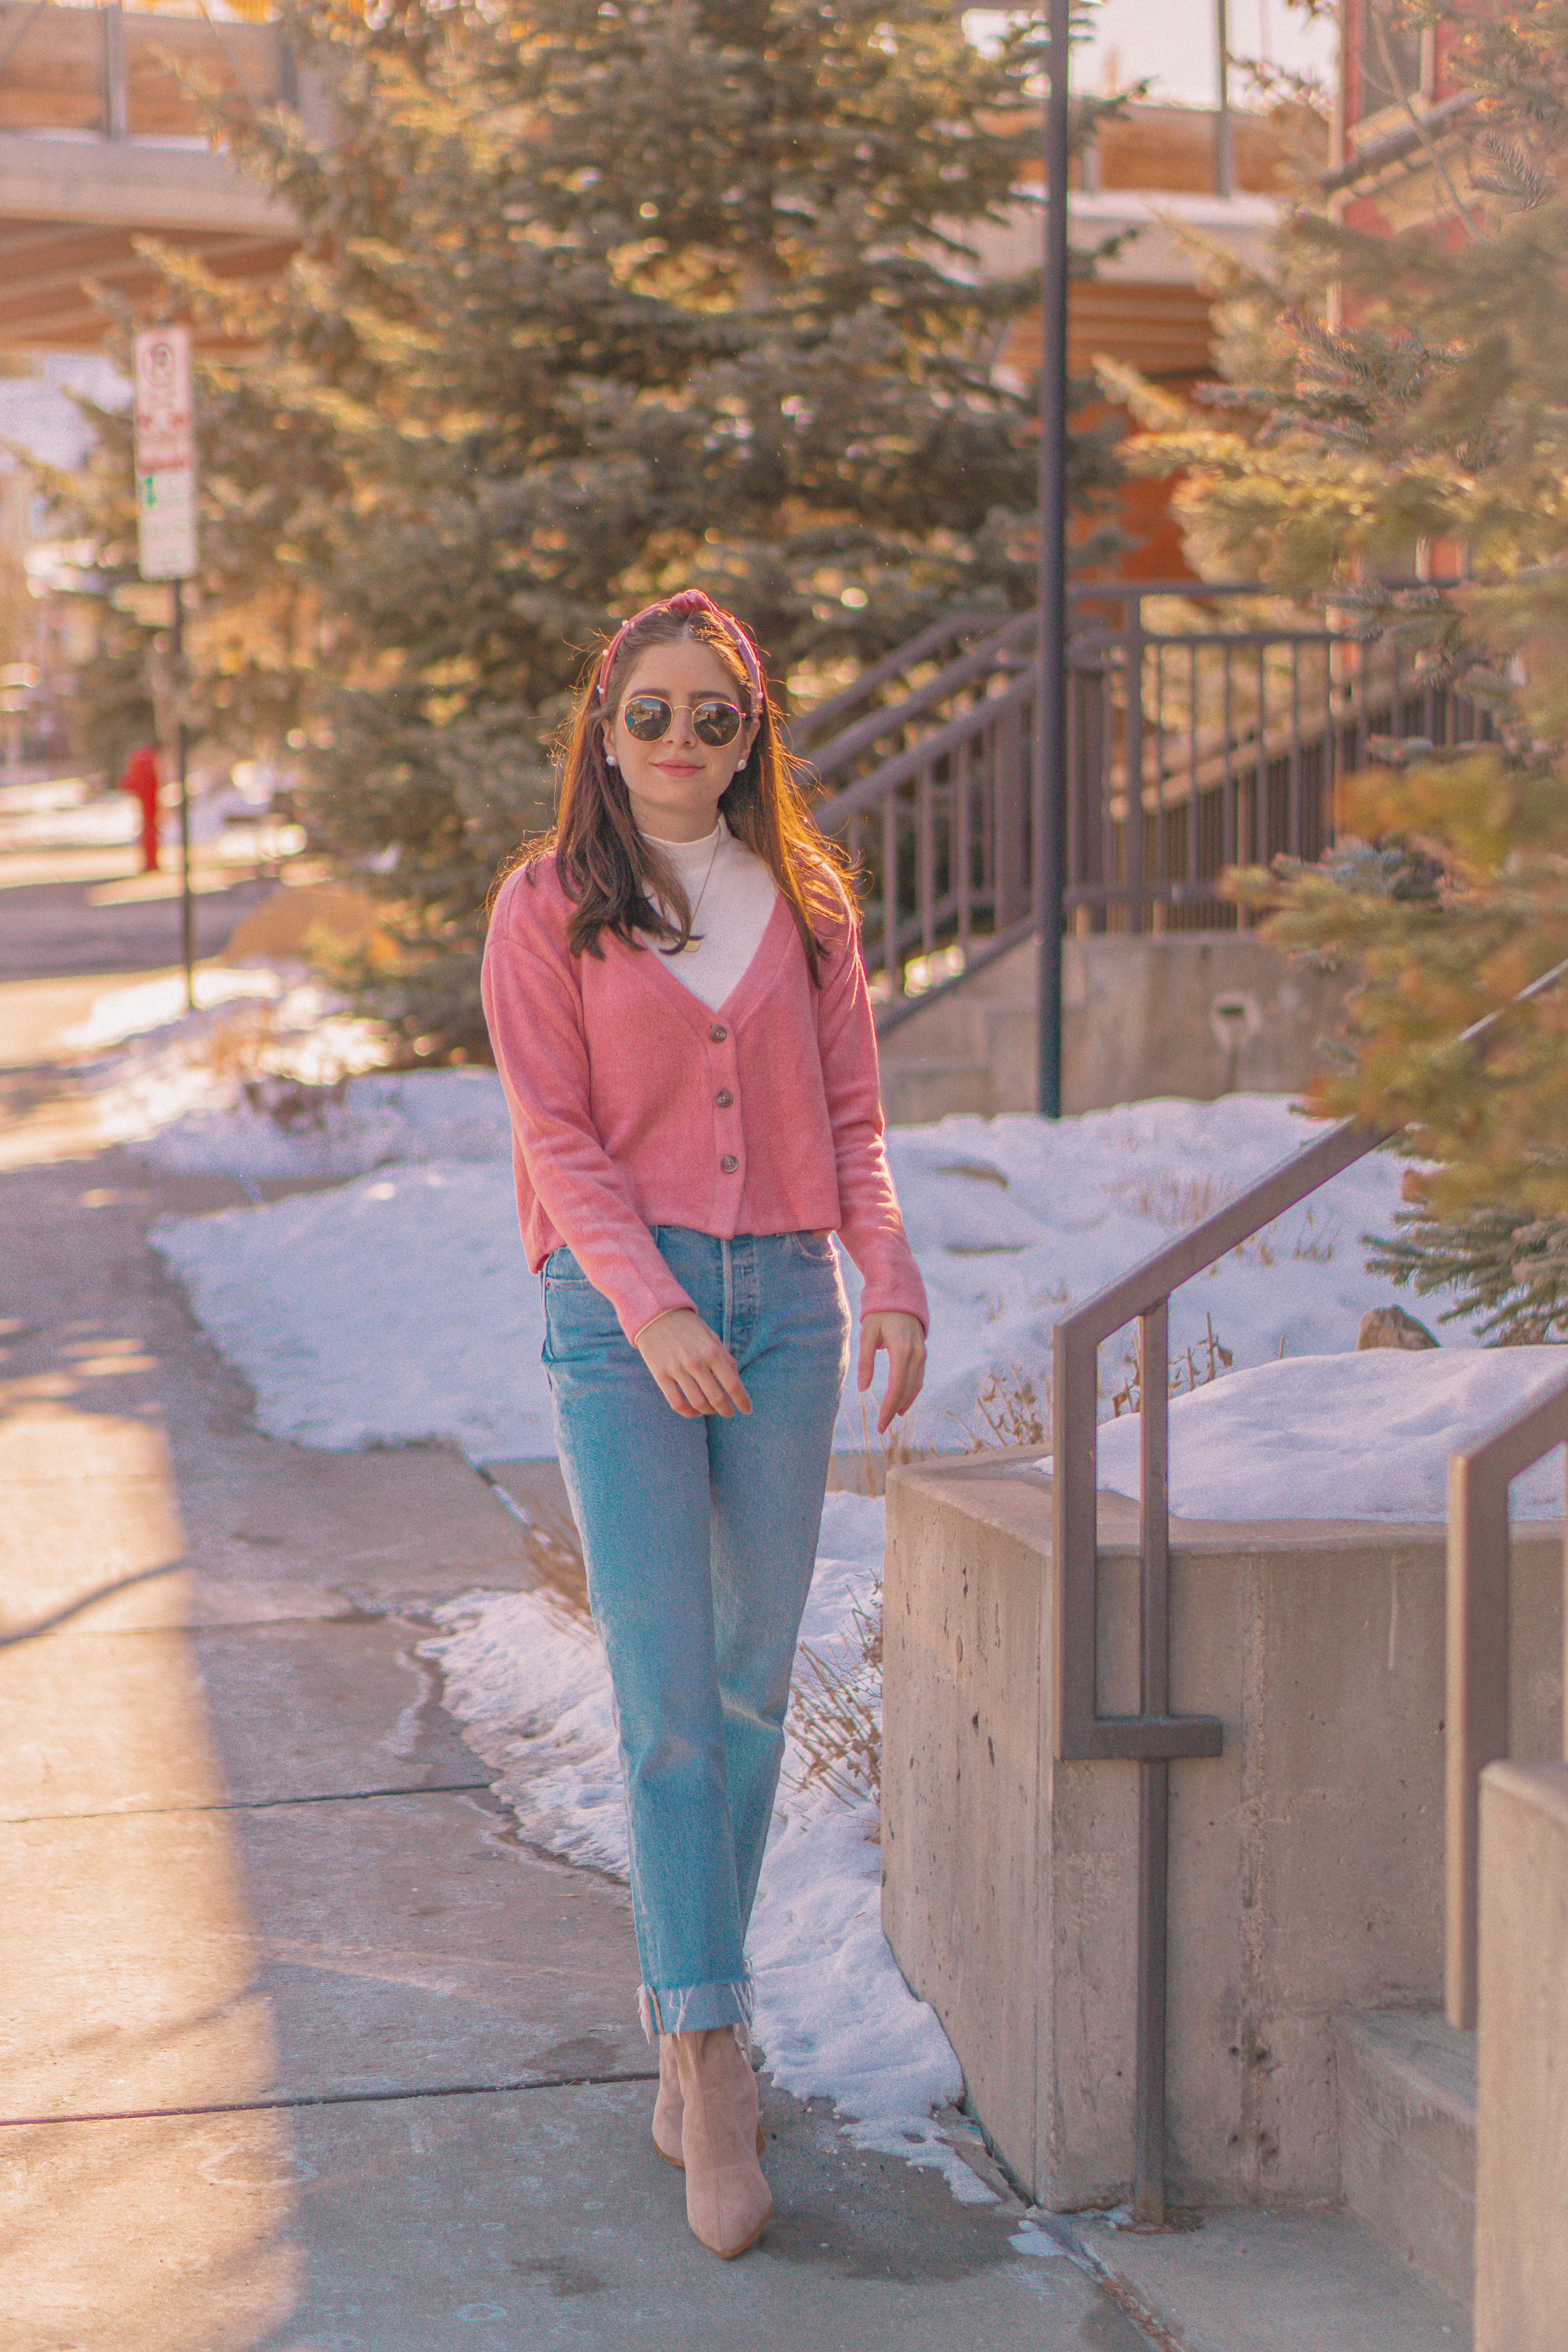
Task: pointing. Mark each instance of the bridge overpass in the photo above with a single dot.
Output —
(102, 145)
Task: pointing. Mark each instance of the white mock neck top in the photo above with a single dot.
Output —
(731, 893)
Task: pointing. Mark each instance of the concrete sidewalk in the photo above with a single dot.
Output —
(300, 2049)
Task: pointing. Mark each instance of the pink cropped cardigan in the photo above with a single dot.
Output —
(636, 1105)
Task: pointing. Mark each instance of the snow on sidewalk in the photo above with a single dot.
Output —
(191, 1088)
(397, 1308)
(529, 1683)
(400, 1308)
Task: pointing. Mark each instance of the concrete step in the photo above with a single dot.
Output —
(1408, 2138)
(1262, 2279)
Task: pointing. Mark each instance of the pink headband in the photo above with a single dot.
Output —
(688, 601)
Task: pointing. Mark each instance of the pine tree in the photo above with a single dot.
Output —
(1433, 418)
(597, 300)
(114, 696)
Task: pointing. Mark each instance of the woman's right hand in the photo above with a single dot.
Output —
(695, 1370)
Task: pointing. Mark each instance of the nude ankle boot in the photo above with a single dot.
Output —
(666, 2108)
(727, 2201)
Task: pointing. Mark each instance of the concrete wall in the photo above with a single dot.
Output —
(1521, 2122)
(1193, 1013)
(1305, 1861)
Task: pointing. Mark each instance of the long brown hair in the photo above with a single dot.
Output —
(617, 879)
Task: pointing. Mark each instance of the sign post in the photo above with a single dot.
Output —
(166, 541)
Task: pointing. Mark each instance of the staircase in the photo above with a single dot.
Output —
(1232, 712)
(1408, 2138)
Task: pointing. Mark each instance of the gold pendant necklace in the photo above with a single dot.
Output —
(688, 947)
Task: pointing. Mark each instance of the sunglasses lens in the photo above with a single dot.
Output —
(648, 716)
(715, 722)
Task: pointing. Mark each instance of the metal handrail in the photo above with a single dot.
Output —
(1154, 1735)
(904, 766)
(1477, 1714)
(979, 956)
(1193, 746)
(977, 661)
(832, 714)
(850, 736)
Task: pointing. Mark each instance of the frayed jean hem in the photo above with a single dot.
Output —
(695, 2009)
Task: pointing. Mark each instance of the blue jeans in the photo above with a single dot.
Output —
(699, 1538)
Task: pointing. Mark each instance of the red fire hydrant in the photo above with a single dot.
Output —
(141, 777)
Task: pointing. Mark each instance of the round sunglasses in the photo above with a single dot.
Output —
(650, 716)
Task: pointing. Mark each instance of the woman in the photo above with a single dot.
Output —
(679, 1016)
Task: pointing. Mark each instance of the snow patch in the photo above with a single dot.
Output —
(1012, 1221)
(123, 1013)
(398, 1309)
(1344, 1437)
(528, 1681)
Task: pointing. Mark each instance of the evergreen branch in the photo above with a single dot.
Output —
(1506, 1267)
(1433, 156)
(1515, 178)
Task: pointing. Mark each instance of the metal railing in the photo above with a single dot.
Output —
(1207, 726)
(899, 678)
(1477, 1661)
(1154, 1736)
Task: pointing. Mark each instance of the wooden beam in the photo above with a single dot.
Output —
(1162, 329)
(48, 305)
(60, 69)
(123, 183)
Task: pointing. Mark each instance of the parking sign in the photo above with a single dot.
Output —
(165, 455)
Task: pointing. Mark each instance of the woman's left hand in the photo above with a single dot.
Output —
(902, 1338)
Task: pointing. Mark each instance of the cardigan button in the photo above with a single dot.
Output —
(718, 1034)
(723, 1097)
(729, 1163)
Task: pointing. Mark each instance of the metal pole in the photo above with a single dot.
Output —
(1050, 732)
(1224, 130)
(116, 102)
(187, 912)
(1153, 1968)
(1153, 1773)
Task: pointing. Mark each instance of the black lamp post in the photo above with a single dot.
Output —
(1049, 813)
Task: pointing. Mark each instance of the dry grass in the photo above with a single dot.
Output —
(1313, 1245)
(239, 1045)
(248, 1046)
(868, 1470)
(1194, 1369)
(1175, 1203)
(836, 1709)
(256, 1047)
(1179, 1203)
(836, 1705)
(293, 1104)
(1009, 1411)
